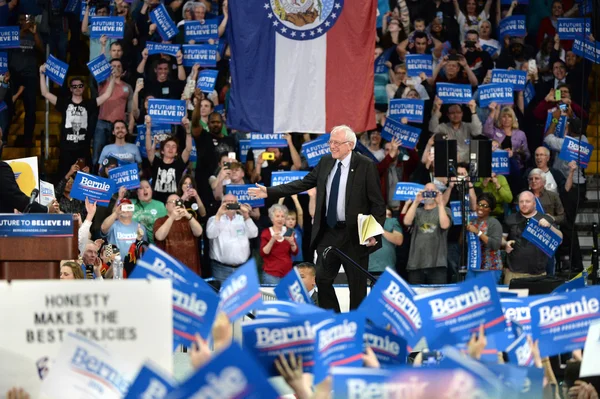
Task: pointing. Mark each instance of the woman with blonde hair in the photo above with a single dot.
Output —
(71, 271)
(502, 125)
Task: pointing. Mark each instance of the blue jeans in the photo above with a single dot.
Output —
(221, 271)
(268, 279)
(101, 138)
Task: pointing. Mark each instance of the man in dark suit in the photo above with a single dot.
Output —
(347, 185)
(11, 196)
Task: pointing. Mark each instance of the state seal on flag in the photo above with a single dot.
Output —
(303, 19)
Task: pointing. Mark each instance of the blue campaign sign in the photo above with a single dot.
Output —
(3, 106)
(572, 285)
(543, 238)
(413, 110)
(380, 61)
(419, 63)
(232, 373)
(166, 27)
(159, 134)
(361, 149)
(10, 37)
(112, 27)
(167, 111)
(408, 135)
(201, 31)
(528, 93)
(561, 126)
(513, 77)
(587, 49)
(454, 93)
(220, 109)
(203, 54)
(244, 147)
(287, 310)
(207, 80)
(240, 293)
(573, 28)
(314, 150)
(561, 322)
(241, 193)
(126, 176)
(494, 92)
(576, 150)
(194, 302)
(36, 225)
(513, 26)
(457, 214)
(500, 165)
(389, 348)
(391, 303)
(451, 315)
(267, 140)
(150, 383)
(3, 61)
(517, 312)
(56, 70)
(407, 191)
(100, 68)
(291, 288)
(71, 7)
(339, 343)
(278, 178)
(491, 50)
(162, 48)
(95, 188)
(473, 251)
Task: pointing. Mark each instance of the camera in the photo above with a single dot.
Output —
(469, 44)
(227, 165)
(128, 207)
(429, 194)
(563, 107)
(179, 203)
(232, 207)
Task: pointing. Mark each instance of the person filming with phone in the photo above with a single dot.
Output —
(277, 246)
(229, 232)
(177, 233)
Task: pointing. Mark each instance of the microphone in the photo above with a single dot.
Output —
(34, 194)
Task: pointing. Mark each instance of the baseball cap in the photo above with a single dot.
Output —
(110, 161)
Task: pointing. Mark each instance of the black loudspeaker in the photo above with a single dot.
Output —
(480, 158)
(536, 285)
(444, 161)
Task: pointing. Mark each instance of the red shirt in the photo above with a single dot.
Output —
(278, 262)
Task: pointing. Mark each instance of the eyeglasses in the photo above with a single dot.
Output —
(482, 205)
(79, 86)
(333, 143)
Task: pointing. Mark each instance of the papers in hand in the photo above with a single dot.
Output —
(367, 227)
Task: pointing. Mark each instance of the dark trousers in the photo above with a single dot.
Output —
(431, 275)
(327, 269)
(28, 97)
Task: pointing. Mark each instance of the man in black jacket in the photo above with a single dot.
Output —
(347, 185)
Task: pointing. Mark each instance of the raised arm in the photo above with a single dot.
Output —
(223, 24)
(185, 155)
(296, 161)
(86, 19)
(150, 144)
(109, 90)
(44, 88)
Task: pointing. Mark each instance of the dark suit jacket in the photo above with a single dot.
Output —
(11, 196)
(315, 298)
(363, 195)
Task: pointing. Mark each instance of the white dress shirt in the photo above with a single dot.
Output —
(229, 239)
(341, 202)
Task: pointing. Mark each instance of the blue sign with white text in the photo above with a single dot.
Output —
(587, 49)
(201, 31)
(36, 225)
(500, 165)
(204, 55)
(473, 251)
(543, 238)
(267, 140)
(240, 293)
(10, 37)
(126, 176)
(291, 288)
(512, 26)
(3, 61)
(576, 150)
(241, 193)
(501, 94)
(314, 150)
(380, 61)
(278, 178)
(412, 110)
(451, 93)
(407, 191)
(95, 188)
(207, 80)
(573, 28)
(150, 383)
(457, 214)
(389, 348)
(244, 147)
(111, 27)
(100, 68)
(406, 134)
(561, 126)
(56, 70)
(517, 79)
(416, 64)
(528, 93)
(166, 111)
(165, 25)
(162, 48)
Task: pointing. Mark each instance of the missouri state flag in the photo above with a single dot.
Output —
(301, 65)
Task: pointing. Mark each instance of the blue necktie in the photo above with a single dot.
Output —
(333, 197)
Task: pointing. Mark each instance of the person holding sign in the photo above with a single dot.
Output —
(76, 119)
(163, 85)
(524, 258)
(489, 232)
(549, 201)
(347, 184)
(455, 68)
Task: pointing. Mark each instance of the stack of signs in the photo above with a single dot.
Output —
(390, 305)
(194, 301)
(412, 110)
(243, 197)
(576, 150)
(96, 189)
(291, 288)
(451, 315)
(233, 373)
(561, 322)
(240, 293)
(406, 134)
(451, 93)
(314, 150)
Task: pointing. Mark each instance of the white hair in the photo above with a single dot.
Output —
(539, 172)
(350, 135)
(276, 207)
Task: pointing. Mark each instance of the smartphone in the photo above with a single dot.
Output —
(429, 194)
(440, 15)
(231, 155)
(179, 203)
(140, 80)
(81, 163)
(469, 44)
(563, 107)
(557, 95)
(232, 207)
(227, 165)
(532, 68)
(288, 233)
(268, 156)
(127, 207)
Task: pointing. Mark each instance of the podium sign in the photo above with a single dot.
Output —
(36, 225)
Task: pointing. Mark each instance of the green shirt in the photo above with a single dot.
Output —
(147, 213)
(386, 255)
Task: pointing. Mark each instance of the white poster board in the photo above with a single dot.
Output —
(133, 318)
(590, 365)
(46, 193)
(26, 173)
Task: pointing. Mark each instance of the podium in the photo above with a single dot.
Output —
(32, 245)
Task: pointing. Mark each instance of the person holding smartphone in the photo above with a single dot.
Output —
(277, 246)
